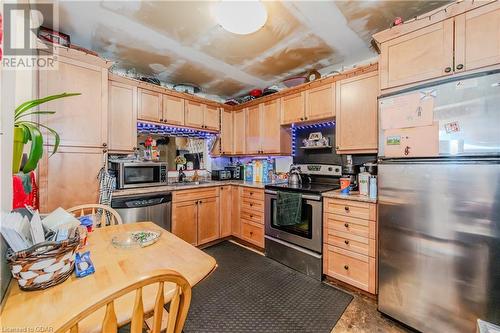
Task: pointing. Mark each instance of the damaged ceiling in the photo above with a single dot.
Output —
(180, 41)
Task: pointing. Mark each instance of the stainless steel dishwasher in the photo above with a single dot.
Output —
(156, 207)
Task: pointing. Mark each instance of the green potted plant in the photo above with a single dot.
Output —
(26, 130)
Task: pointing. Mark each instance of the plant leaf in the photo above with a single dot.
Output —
(57, 138)
(36, 149)
(30, 104)
(31, 113)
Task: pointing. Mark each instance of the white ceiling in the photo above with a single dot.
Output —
(180, 41)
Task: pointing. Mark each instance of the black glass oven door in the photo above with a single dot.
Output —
(303, 229)
(141, 175)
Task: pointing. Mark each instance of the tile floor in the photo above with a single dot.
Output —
(362, 316)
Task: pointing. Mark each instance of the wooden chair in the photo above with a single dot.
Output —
(106, 213)
(177, 313)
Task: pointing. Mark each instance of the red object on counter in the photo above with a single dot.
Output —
(20, 197)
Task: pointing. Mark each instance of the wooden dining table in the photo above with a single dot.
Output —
(47, 310)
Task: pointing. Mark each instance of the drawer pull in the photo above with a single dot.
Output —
(251, 205)
(346, 225)
(251, 216)
(346, 208)
(346, 242)
(251, 233)
(346, 267)
(251, 193)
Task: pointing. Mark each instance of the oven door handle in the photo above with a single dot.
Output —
(304, 196)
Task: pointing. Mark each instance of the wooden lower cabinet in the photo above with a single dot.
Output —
(208, 220)
(235, 211)
(185, 221)
(350, 242)
(252, 215)
(350, 267)
(226, 205)
(195, 215)
(252, 233)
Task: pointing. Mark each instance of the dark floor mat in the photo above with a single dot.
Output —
(251, 293)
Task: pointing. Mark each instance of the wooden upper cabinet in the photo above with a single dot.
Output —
(185, 221)
(122, 120)
(211, 118)
(270, 127)
(208, 220)
(292, 108)
(149, 105)
(417, 56)
(81, 121)
(79, 185)
(226, 132)
(226, 203)
(356, 125)
(253, 129)
(173, 110)
(477, 38)
(320, 102)
(239, 134)
(194, 115)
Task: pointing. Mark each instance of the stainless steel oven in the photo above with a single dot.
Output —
(139, 174)
(307, 234)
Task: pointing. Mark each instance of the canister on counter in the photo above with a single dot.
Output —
(345, 185)
(373, 187)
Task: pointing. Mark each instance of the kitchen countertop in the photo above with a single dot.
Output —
(170, 188)
(355, 196)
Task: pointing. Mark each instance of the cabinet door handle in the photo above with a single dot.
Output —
(447, 69)
(346, 208)
(251, 193)
(104, 150)
(346, 242)
(346, 267)
(460, 66)
(104, 144)
(251, 205)
(305, 118)
(161, 119)
(251, 216)
(251, 233)
(336, 147)
(301, 118)
(201, 202)
(346, 225)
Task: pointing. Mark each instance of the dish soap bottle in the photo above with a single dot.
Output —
(364, 182)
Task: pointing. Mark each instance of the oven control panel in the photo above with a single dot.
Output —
(319, 169)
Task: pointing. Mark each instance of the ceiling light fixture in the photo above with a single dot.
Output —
(241, 17)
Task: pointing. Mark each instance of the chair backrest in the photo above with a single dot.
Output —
(105, 213)
(177, 314)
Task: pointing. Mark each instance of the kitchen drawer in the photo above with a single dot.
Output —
(195, 194)
(349, 208)
(352, 225)
(253, 193)
(252, 233)
(350, 267)
(252, 215)
(348, 241)
(251, 204)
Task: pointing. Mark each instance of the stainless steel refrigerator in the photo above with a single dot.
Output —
(439, 215)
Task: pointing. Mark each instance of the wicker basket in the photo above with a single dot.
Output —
(43, 265)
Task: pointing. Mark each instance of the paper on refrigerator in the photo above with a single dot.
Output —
(409, 110)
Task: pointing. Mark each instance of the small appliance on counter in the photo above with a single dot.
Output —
(133, 173)
(221, 175)
(237, 171)
(351, 171)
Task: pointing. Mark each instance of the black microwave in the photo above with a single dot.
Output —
(139, 174)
